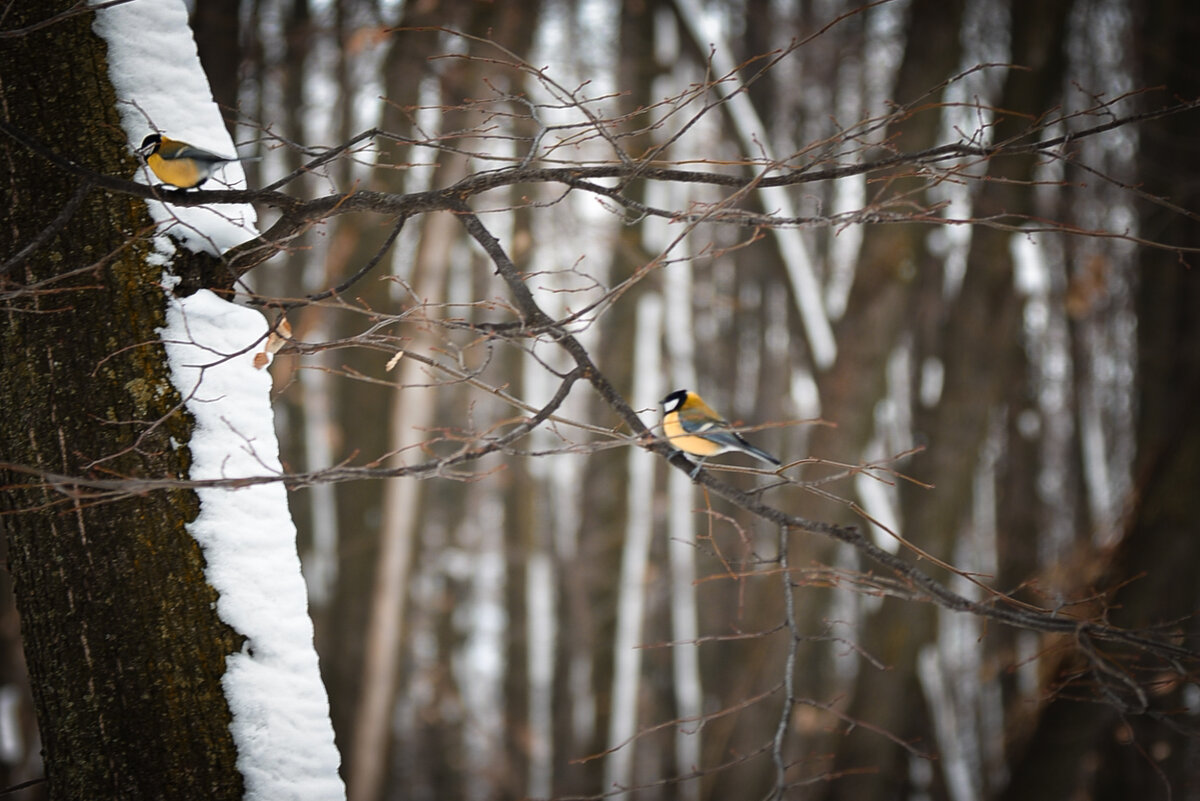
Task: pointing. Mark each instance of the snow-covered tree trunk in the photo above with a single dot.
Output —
(124, 646)
(165, 627)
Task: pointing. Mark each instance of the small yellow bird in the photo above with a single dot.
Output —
(693, 427)
(180, 164)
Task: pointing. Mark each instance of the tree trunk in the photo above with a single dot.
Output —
(218, 35)
(124, 647)
(981, 333)
(1085, 745)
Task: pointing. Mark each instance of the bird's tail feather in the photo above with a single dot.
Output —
(761, 454)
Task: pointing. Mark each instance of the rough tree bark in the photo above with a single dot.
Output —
(124, 647)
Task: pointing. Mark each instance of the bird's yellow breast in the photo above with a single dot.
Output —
(688, 443)
(181, 172)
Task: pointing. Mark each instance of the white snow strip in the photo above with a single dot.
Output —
(281, 721)
(161, 87)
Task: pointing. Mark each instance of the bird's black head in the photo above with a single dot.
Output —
(673, 401)
(150, 145)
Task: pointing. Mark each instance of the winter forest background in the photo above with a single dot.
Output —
(938, 257)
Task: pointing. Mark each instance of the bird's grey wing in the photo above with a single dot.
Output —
(190, 152)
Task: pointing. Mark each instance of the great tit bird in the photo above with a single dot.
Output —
(693, 427)
(178, 163)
